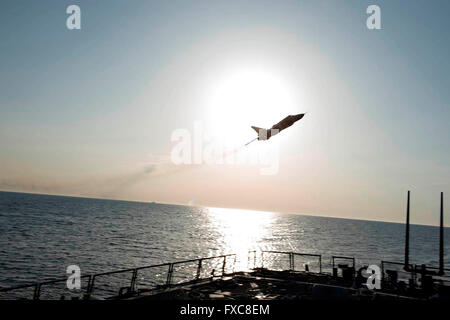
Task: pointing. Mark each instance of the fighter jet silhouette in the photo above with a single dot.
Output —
(265, 134)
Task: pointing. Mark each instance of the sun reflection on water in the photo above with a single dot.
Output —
(242, 231)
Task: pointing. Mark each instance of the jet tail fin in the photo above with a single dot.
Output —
(257, 129)
(263, 134)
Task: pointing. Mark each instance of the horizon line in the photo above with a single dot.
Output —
(205, 206)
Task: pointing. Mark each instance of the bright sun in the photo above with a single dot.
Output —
(244, 99)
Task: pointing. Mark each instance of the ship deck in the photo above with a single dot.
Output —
(263, 284)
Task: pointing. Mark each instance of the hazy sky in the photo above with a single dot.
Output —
(91, 112)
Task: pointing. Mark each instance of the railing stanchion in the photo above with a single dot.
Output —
(88, 284)
(37, 292)
(293, 262)
(169, 275)
(91, 287)
(199, 269)
(133, 280)
(224, 263)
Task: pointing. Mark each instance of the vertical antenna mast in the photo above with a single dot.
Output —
(441, 238)
(406, 266)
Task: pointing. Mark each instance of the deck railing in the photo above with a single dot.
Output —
(393, 271)
(218, 267)
(290, 256)
(135, 280)
(263, 259)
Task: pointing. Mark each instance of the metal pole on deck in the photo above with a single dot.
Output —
(406, 266)
(441, 238)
